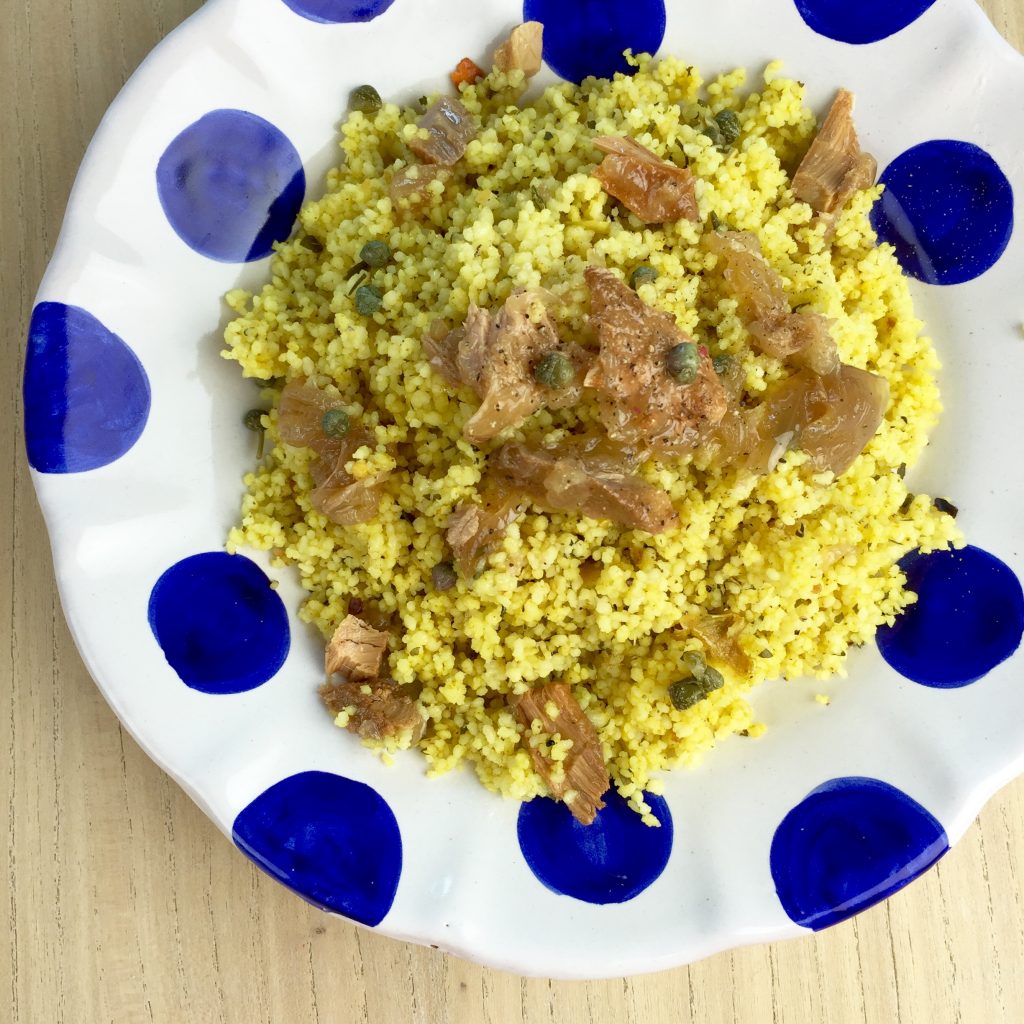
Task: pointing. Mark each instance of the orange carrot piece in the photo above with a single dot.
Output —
(466, 72)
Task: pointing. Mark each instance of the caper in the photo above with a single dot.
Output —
(728, 126)
(253, 419)
(643, 274)
(685, 693)
(335, 423)
(683, 362)
(708, 127)
(375, 253)
(365, 99)
(554, 371)
(694, 663)
(444, 576)
(368, 299)
(713, 680)
(722, 364)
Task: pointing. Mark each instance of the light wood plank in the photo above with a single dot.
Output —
(124, 904)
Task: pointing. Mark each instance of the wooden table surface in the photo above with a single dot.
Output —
(125, 904)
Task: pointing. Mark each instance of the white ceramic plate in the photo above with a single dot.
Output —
(131, 486)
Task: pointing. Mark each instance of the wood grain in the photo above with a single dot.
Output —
(124, 904)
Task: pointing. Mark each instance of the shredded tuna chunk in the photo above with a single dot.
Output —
(640, 403)
(596, 484)
(835, 167)
(657, 191)
(449, 128)
(496, 356)
(831, 417)
(583, 778)
(522, 50)
(376, 709)
(475, 528)
(720, 636)
(355, 650)
(763, 306)
(336, 494)
(300, 415)
(441, 347)
(413, 188)
(350, 503)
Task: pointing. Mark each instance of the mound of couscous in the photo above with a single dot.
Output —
(802, 563)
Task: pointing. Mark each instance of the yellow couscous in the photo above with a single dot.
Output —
(807, 562)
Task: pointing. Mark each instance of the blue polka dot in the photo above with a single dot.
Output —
(220, 625)
(846, 846)
(588, 37)
(231, 185)
(968, 618)
(333, 12)
(86, 393)
(947, 208)
(609, 861)
(332, 840)
(866, 21)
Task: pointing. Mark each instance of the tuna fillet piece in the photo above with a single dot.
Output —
(355, 650)
(475, 529)
(831, 417)
(834, 168)
(378, 708)
(657, 191)
(336, 495)
(585, 778)
(449, 128)
(411, 190)
(763, 306)
(522, 50)
(596, 484)
(496, 356)
(640, 403)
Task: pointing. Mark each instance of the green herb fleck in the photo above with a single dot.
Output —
(358, 276)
